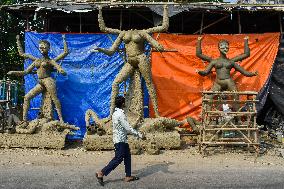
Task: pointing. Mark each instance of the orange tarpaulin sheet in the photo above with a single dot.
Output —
(178, 85)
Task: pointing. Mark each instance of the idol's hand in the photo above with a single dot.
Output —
(96, 49)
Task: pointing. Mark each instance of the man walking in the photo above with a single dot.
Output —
(122, 152)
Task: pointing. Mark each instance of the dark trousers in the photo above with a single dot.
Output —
(122, 153)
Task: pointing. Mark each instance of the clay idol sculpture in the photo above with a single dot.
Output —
(134, 41)
(223, 65)
(46, 85)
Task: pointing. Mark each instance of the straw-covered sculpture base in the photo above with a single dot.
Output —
(158, 140)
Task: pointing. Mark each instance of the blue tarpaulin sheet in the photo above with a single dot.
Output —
(89, 75)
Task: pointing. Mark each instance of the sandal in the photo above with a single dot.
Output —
(100, 180)
(132, 178)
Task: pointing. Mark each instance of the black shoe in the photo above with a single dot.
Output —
(100, 179)
(131, 178)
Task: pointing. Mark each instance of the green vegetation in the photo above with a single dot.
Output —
(10, 26)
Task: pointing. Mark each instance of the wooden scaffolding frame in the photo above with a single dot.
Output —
(234, 126)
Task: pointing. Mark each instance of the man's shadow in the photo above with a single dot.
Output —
(152, 169)
(149, 170)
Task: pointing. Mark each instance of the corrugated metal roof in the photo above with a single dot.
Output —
(89, 5)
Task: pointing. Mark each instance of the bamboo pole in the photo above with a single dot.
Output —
(201, 24)
(217, 21)
(232, 129)
(182, 24)
(280, 24)
(230, 139)
(254, 124)
(245, 129)
(215, 126)
(231, 113)
(27, 24)
(225, 101)
(231, 92)
(120, 20)
(239, 22)
(80, 16)
(229, 143)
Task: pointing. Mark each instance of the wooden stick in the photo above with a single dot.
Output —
(239, 22)
(80, 24)
(226, 143)
(166, 50)
(242, 133)
(231, 113)
(231, 92)
(217, 21)
(232, 129)
(214, 126)
(120, 20)
(230, 139)
(222, 101)
(219, 131)
(280, 24)
(201, 24)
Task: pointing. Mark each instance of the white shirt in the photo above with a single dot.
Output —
(121, 127)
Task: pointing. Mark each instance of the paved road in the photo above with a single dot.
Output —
(75, 168)
(160, 175)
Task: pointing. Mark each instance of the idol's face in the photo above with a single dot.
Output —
(43, 48)
(224, 47)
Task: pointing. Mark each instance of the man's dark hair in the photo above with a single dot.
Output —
(119, 101)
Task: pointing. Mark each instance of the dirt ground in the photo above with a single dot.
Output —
(79, 156)
(75, 167)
